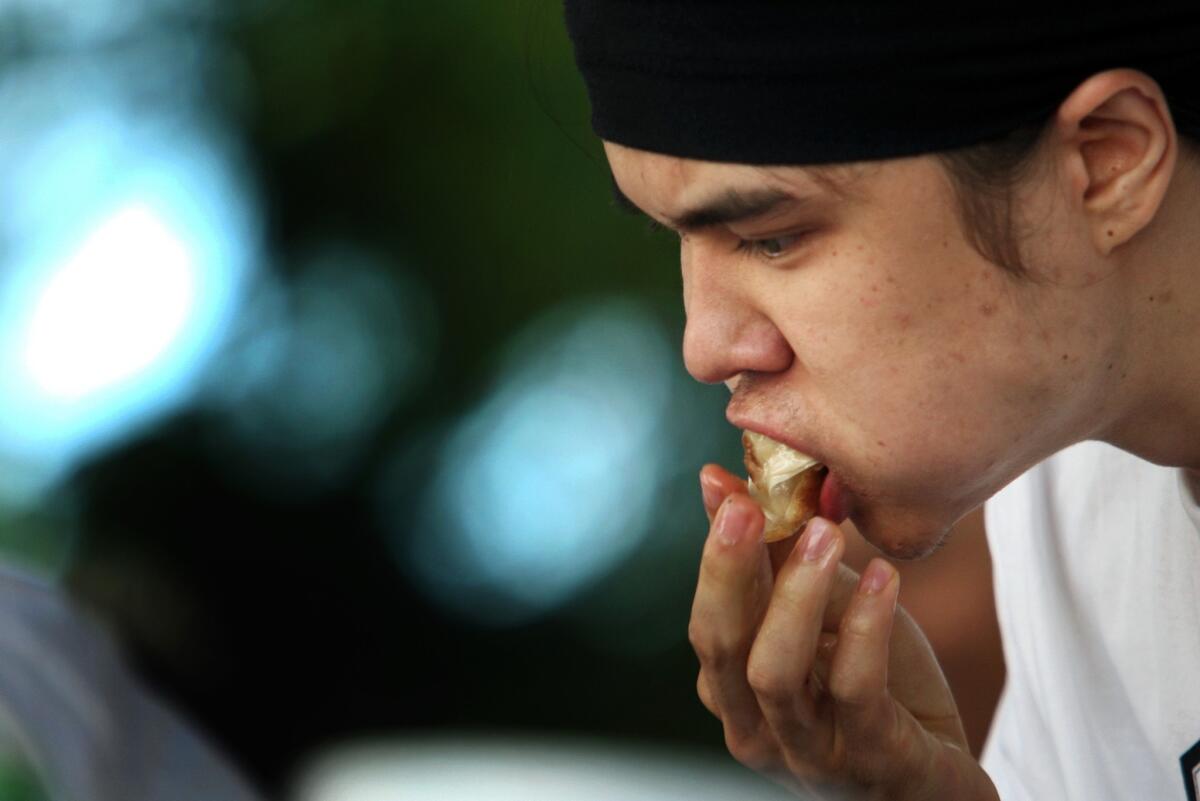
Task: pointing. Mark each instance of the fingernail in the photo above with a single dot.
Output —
(876, 577)
(819, 539)
(732, 521)
(711, 493)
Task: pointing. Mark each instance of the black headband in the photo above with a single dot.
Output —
(786, 82)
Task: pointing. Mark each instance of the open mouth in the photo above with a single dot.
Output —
(787, 484)
(790, 487)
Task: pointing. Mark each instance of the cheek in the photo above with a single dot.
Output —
(921, 380)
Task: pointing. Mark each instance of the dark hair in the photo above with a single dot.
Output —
(985, 177)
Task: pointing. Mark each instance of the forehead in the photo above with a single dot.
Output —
(659, 183)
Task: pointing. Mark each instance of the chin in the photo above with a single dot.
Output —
(901, 533)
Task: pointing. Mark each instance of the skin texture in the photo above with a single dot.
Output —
(864, 329)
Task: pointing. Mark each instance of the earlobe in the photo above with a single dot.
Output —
(1122, 146)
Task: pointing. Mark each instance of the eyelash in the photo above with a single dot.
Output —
(756, 247)
(753, 247)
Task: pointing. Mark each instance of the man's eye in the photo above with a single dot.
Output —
(769, 248)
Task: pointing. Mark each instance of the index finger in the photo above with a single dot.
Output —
(731, 595)
(716, 484)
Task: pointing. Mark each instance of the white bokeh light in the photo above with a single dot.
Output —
(128, 237)
(113, 309)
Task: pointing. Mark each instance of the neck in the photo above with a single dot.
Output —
(1159, 417)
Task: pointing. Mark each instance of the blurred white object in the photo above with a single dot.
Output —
(83, 720)
(504, 768)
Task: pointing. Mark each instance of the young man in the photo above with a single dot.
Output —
(954, 258)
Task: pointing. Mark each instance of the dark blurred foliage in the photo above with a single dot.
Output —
(451, 139)
(19, 782)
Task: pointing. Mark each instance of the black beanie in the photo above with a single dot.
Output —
(779, 82)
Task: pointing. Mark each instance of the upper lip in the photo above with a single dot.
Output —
(749, 424)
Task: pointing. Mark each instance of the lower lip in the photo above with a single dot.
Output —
(831, 504)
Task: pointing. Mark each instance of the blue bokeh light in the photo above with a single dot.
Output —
(317, 364)
(549, 483)
(81, 24)
(128, 236)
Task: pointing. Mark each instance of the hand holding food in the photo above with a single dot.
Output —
(818, 678)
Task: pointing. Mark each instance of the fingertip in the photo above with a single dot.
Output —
(717, 483)
(822, 541)
(861, 658)
(879, 577)
(727, 480)
(738, 520)
(711, 492)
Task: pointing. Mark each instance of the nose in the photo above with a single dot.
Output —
(728, 332)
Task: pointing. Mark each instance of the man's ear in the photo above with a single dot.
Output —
(1120, 145)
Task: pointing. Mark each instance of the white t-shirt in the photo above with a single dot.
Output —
(1097, 573)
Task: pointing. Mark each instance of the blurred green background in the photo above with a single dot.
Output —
(332, 379)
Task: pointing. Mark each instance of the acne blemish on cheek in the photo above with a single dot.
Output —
(987, 309)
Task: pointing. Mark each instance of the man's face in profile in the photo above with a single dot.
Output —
(855, 322)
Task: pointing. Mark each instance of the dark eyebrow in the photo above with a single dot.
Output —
(729, 206)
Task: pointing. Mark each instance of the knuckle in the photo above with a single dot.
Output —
(712, 649)
(847, 690)
(859, 627)
(857, 691)
(704, 651)
(705, 693)
(768, 684)
(702, 642)
(750, 750)
(698, 638)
